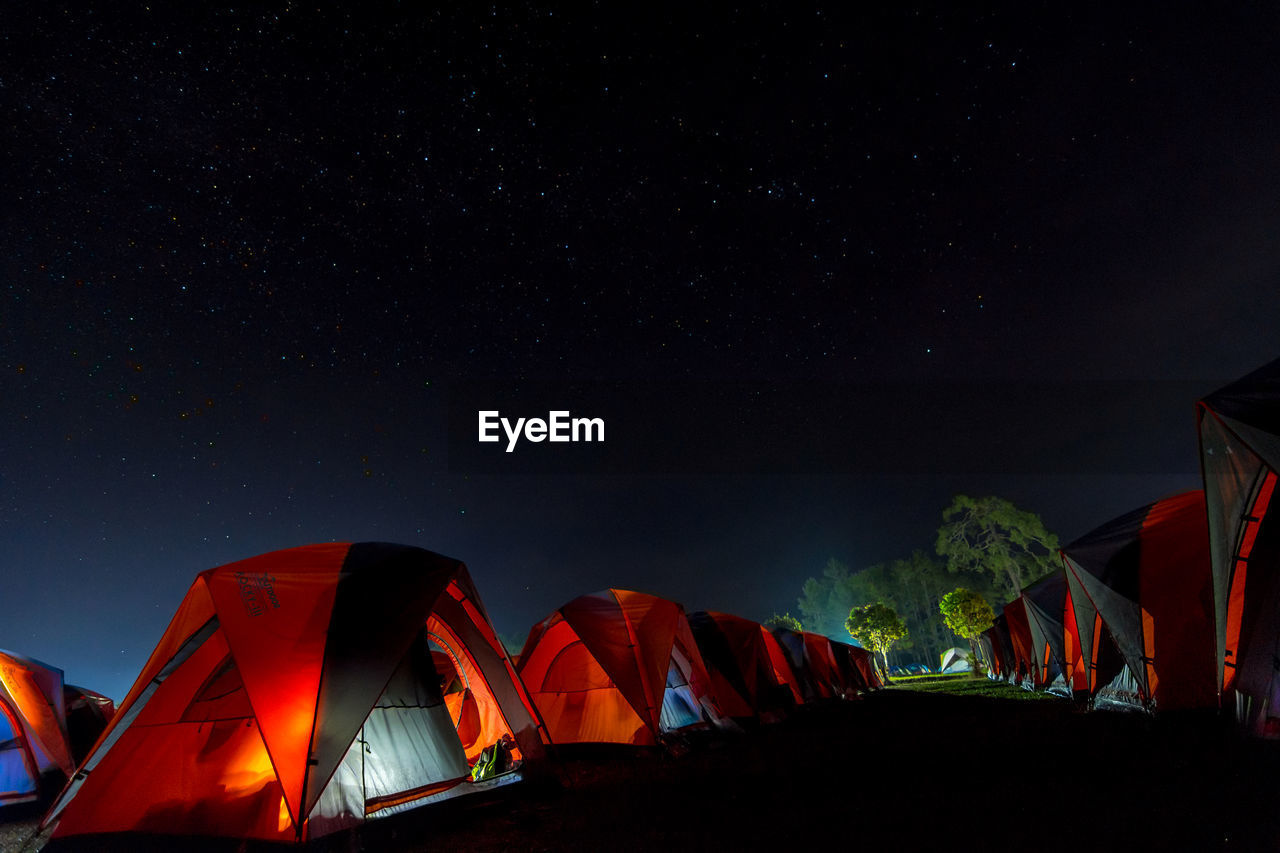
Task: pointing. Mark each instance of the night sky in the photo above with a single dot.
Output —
(250, 257)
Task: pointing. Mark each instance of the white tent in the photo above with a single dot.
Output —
(955, 659)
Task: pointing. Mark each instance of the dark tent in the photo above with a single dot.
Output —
(1239, 428)
(746, 665)
(1145, 577)
(1035, 630)
(999, 646)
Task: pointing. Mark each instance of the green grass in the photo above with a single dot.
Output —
(965, 685)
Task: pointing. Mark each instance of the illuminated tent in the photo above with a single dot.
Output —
(954, 660)
(1034, 620)
(1239, 428)
(34, 751)
(617, 666)
(1145, 578)
(302, 692)
(750, 675)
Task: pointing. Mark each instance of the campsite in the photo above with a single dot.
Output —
(357, 696)
(584, 427)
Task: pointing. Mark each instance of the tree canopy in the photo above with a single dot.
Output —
(877, 627)
(992, 535)
(786, 620)
(912, 586)
(967, 614)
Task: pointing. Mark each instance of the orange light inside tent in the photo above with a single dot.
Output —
(1149, 652)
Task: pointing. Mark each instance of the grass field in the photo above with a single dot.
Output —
(968, 685)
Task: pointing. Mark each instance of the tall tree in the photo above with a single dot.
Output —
(825, 601)
(991, 534)
(877, 627)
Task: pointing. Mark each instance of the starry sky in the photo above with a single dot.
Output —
(822, 267)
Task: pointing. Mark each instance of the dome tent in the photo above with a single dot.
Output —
(297, 693)
(617, 666)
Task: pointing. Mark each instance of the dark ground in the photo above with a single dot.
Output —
(894, 771)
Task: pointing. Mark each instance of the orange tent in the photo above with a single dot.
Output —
(33, 733)
(617, 667)
(746, 665)
(302, 692)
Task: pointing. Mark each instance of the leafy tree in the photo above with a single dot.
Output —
(877, 627)
(786, 620)
(967, 614)
(992, 535)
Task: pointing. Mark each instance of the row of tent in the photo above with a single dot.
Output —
(305, 691)
(1174, 606)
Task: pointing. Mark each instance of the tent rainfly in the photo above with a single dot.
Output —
(1145, 578)
(955, 659)
(34, 749)
(750, 675)
(618, 666)
(305, 691)
(1239, 428)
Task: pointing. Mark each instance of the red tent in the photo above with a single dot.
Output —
(617, 666)
(866, 664)
(1239, 428)
(33, 734)
(1034, 621)
(997, 646)
(300, 692)
(1145, 577)
(746, 666)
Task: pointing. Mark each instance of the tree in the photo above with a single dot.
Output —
(991, 534)
(786, 620)
(825, 601)
(877, 627)
(968, 615)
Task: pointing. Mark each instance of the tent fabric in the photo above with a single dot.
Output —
(33, 734)
(296, 693)
(88, 714)
(617, 666)
(1239, 430)
(808, 672)
(1035, 625)
(750, 675)
(1145, 576)
(1045, 603)
(1024, 656)
(954, 659)
(866, 666)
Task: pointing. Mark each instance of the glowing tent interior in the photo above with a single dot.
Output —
(302, 692)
